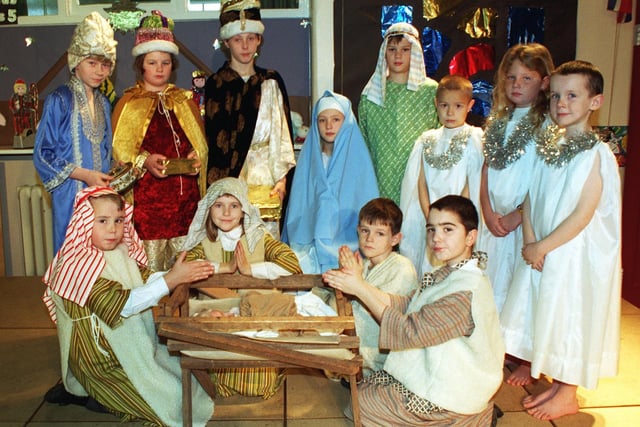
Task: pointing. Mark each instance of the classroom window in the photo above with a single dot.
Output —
(46, 12)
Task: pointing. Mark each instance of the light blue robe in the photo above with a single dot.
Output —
(322, 214)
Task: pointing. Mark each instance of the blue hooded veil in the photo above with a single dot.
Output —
(322, 214)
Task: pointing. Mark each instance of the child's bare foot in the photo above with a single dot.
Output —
(521, 376)
(532, 401)
(563, 402)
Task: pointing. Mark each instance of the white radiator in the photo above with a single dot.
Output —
(37, 228)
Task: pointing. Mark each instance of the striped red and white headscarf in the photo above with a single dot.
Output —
(78, 263)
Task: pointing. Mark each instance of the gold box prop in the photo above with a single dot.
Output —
(270, 206)
(178, 166)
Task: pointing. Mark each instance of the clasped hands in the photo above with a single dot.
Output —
(348, 278)
(533, 255)
(501, 225)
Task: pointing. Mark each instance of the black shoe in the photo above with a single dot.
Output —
(95, 406)
(345, 383)
(58, 394)
(497, 413)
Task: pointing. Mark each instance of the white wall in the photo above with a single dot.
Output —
(609, 46)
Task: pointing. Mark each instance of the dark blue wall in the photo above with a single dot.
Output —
(286, 48)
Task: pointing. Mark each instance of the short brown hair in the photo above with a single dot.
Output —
(382, 211)
(115, 198)
(595, 81)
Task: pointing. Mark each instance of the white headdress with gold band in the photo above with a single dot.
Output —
(240, 16)
(93, 36)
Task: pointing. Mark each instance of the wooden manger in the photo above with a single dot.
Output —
(214, 336)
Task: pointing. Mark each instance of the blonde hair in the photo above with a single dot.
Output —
(535, 57)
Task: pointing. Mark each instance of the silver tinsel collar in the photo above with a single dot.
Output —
(557, 155)
(497, 153)
(451, 156)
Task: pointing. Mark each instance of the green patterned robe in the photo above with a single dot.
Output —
(391, 130)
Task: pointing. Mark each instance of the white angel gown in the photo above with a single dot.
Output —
(441, 182)
(566, 320)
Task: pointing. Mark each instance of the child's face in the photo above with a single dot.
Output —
(226, 213)
(376, 241)
(156, 71)
(571, 103)
(522, 85)
(20, 89)
(243, 47)
(398, 56)
(453, 106)
(447, 237)
(329, 124)
(92, 72)
(108, 225)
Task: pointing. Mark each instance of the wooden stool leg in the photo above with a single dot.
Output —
(186, 398)
(355, 405)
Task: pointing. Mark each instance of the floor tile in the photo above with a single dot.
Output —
(508, 397)
(250, 408)
(612, 417)
(246, 423)
(64, 423)
(29, 365)
(50, 414)
(521, 419)
(24, 293)
(624, 389)
(311, 395)
(323, 422)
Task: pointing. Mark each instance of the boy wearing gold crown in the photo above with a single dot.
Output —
(155, 125)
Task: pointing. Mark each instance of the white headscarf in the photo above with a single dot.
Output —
(375, 88)
(252, 224)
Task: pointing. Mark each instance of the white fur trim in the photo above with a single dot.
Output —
(155, 46)
(233, 28)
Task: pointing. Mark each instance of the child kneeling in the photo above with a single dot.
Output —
(99, 292)
(445, 347)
